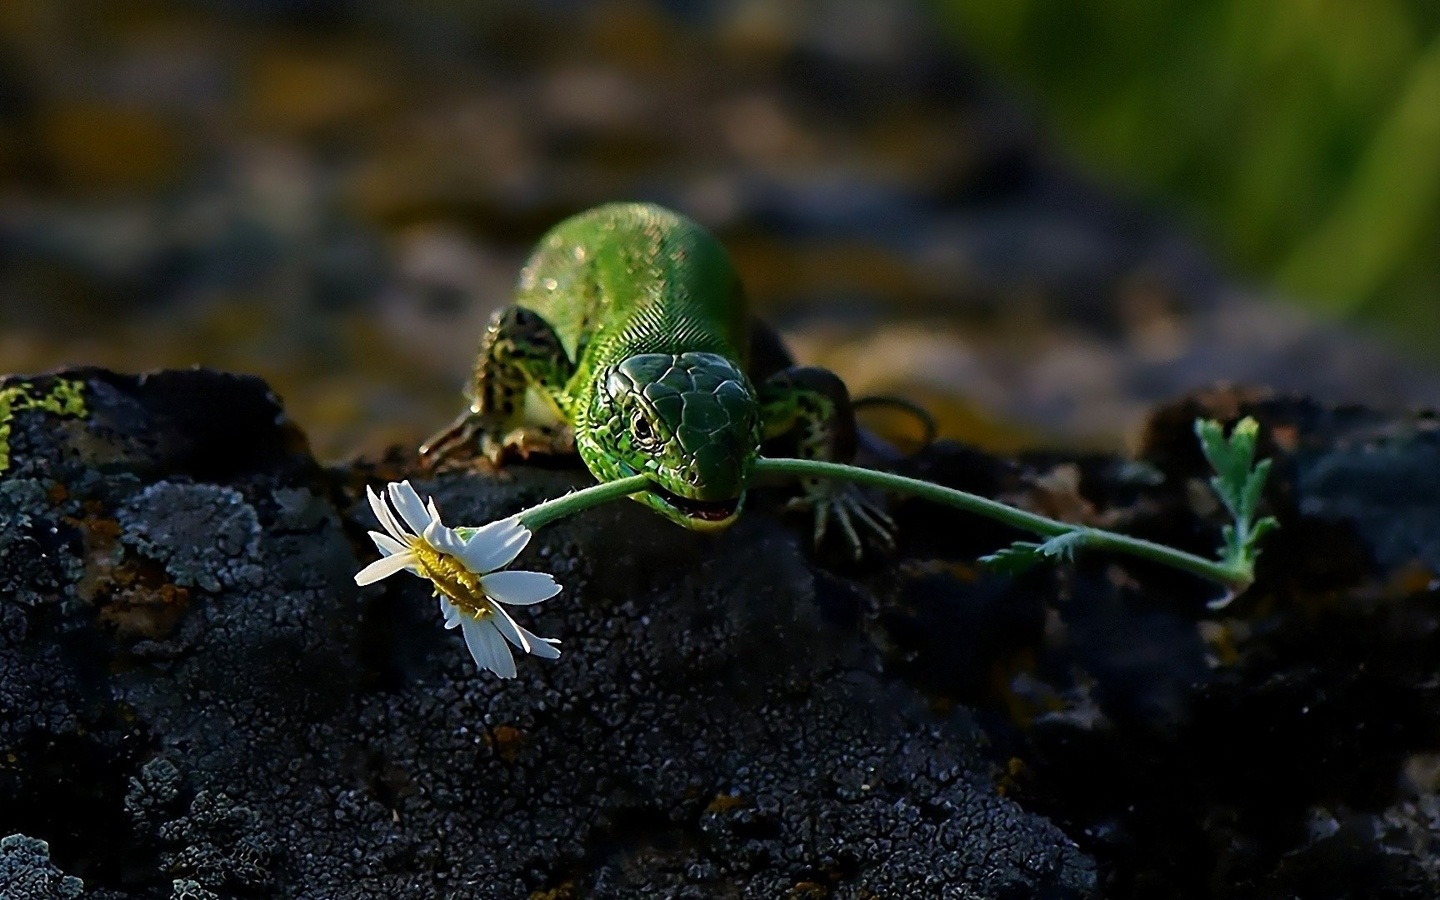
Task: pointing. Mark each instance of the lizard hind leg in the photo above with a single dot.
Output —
(813, 405)
(516, 392)
(451, 438)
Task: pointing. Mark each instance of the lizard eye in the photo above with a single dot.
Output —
(641, 428)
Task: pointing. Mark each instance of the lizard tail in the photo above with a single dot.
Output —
(916, 411)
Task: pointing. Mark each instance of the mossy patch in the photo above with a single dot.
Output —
(65, 397)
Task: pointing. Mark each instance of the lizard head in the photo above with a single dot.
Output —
(688, 421)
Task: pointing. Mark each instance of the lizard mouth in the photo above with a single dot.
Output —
(710, 511)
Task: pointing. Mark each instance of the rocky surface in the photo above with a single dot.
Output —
(196, 701)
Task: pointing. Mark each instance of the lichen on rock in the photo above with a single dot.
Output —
(62, 397)
(162, 521)
(26, 872)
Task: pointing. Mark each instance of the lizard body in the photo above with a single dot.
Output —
(630, 329)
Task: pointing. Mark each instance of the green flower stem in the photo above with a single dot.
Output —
(1095, 538)
(543, 514)
(1236, 578)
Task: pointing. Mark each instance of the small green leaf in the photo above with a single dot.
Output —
(1212, 438)
(1065, 545)
(1020, 556)
(1245, 434)
(1254, 489)
(1231, 553)
(1024, 555)
(1258, 531)
(1263, 527)
(1239, 482)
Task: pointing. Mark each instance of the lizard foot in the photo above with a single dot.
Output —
(522, 442)
(495, 444)
(850, 507)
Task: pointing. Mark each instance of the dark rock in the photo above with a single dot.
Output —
(196, 701)
(1262, 753)
(199, 702)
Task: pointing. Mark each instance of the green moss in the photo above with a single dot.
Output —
(66, 397)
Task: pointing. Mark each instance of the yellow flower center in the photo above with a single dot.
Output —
(459, 585)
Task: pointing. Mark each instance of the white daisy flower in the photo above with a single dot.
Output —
(463, 570)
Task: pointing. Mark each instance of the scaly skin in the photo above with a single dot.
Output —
(630, 332)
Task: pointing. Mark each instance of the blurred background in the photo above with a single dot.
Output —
(1035, 217)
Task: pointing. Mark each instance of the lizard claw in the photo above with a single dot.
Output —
(852, 508)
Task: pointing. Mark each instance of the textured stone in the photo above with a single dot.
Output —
(707, 729)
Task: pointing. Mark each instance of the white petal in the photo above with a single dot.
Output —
(487, 647)
(545, 648)
(431, 510)
(382, 512)
(519, 588)
(384, 568)
(509, 628)
(408, 504)
(495, 546)
(443, 539)
(516, 634)
(387, 544)
(451, 613)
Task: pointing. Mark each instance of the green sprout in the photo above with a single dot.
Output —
(1239, 482)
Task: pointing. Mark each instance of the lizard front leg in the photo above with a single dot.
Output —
(517, 392)
(812, 405)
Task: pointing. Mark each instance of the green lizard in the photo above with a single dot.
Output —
(630, 339)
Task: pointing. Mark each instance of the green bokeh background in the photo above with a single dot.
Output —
(1301, 138)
